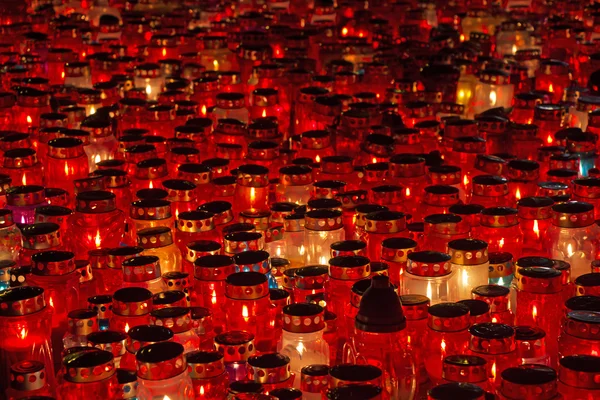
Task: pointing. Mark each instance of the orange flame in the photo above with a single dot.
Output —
(407, 192)
(494, 319)
(24, 180)
(317, 158)
(518, 194)
(264, 113)
(501, 243)
(23, 333)
(29, 120)
(536, 229)
(97, 239)
(151, 186)
(164, 52)
(51, 302)
(344, 31)
(534, 313)
(62, 75)
(203, 111)
(213, 299)
(126, 327)
(245, 312)
(549, 139)
(465, 180)
(443, 345)
(551, 88)
(201, 390)
(494, 371)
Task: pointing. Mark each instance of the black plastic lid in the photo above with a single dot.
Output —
(245, 386)
(159, 352)
(529, 374)
(315, 370)
(380, 309)
(352, 392)
(583, 303)
(491, 291)
(476, 307)
(456, 391)
(534, 261)
(286, 393)
(355, 372)
(591, 279)
(581, 363)
(491, 330)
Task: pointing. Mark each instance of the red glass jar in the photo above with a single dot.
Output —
(523, 176)
(490, 191)
(382, 225)
(182, 195)
(497, 297)
(97, 221)
(158, 242)
(23, 200)
(539, 289)
(447, 334)
(394, 251)
(23, 166)
(578, 334)
(207, 371)
(534, 219)
(440, 229)
(39, 237)
(310, 280)
(271, 370)
(531, 345)
(149, 213)
(143, 271)
(28, 379)
(195, 226)
(31, 104)
(149, 173)
(89, 374)
(236, 347)
(200, 175)
(528, 381)
(500, 228)
(26, 328)
(179, 320)
(316, 145)
(494, 342)
(140, 336)
(66, 162)
(252, 189)
(408, 171)
(470, 369)
(576, 376)
(131, 307)
(111, 341)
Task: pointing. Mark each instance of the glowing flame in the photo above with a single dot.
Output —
(62, 75)
(300, 348)
(494, 371)
(264, 113)
(51, 302)
(462, 37)
(252, 195)
(374, 160)
(126, 327)
(23, 334)
(29, 120)
(443, 345)
(494, 320)
(213, 299)
(551, 88)
(536, 229)
(493, 98)
(24, 180)
(429, 291)
(201, 390)
(215, 65)
(203, 110)
(514, 49)
(407, 192)
(98, 239)
(166, 397)
(500, 281)
(322, 260)
(465, 180)
(92, 110)
(148, 89)
(317, 158)
(97, 159)
(570, 250)
(344, 31)
(301, 250)
(534, 313)
(66, 169)
(150, 185)
(501, 243)
(518, 194)
(164, 51)
(245, 312)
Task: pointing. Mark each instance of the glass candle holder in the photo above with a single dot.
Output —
(537, 288)
(231, 106)
(66, 161)
(102, 142)
(463, 368)
(31, 104)
(236, 347)
(321, 229)
(143, 271)
(429, 272)
(534, 219)
(271, 370)
(102, 305)
(501, 268)
(574, 373)
(576, 335)
(447, 335)
(470, 265)
(148, 77)
(162, 371)
(490, 191)
(381, 225)
(207, 371)
(80, 380)
(293, 237)
(501, 352)
(440, 229)
(23, 166)
(26, 325)
(531, 345)
(523, 176)
(408, 171)
(553, 77)
(97, 221)
(28, 378)
(568, 236)
(497, 297)
(395, 251)
(131, 307)
(169, 299)
(10, 237)
(294, 184)
(181, 194)
(81, 322)
(179, 320)
(149, 213)
(500, 227)
(159, 242)
(494, 89)
(314, 380)
(527, 380)
(111, 341)
(39, 237)
(310, 281)
(252, 187)
(140, 336)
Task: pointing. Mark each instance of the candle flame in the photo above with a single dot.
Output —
(317, 158)
(203, 111)
(264, 113)
(166, 397)
(164, 52)
(407, 192)
(494, 320)
(493, 98)
(98, 239)
(443, 345)
(126, 329)
(24, 180)
(501, 243)
(462, 37)
(245, 312)
(66, 169)
(428, 291)
(150, 185)
(148, 89)
(29, 120)
(92, 110)
(252, 195)
(551, 88)
(62, 75)
(570, 250)
(23, 333)
(97, 159)
(215, 65)
(51, 302)
(201, 390)
(536, 229)
(534, 313)
(465, 180)
(465, 278)
(494, 371)
(549, 139)
(213, 299)
(518, 194)
(514, 49)
(344, 31)
(501, 281)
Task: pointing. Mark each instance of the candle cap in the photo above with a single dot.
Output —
(406, 166)
(160, 361)
(323, 204)
(195, 221)
(252, 175)
(269, 368)
(252, 260)
(456, 390)
(349, 268)
(572, 214)
(490, 186)
(588, 188)
(143, 335)
(53, 263)
(446, 224)
(352, 198)
(582, 324)
(111, 341)
(479, 310)
(170, 298)
(27, 195)
(280, 210)
(523, 170)
(65, 148)
(27, 376)
(258, 218)
(82, 322)
(295, 175)
(314, 378)
(530, 342)
(178, 319)
(213, 267)
(375, 172)
(311, 277)
(222, 211)
(88, 366)
(464, 368)
(92, 183)
(235, 345)
(303, 318)
(428, 263)
(205, 364)
(141, 269)
(294, 223)
(448, 317)
(41, 236)
(152, 238)
(323, 220)
(132, 301)
(380, 310)
(95, 202)
(469, 144)
(328, 189)
(540, 280)
(114, 178)
(530, 381)
(348, 248)
(199, 174)
(101, 304)
(495, 296)
(444, 175)
(345, 374)
(200, 248)
(246, 286)
(455, 128)
(150, 210)
(117, 255)
(177, 280)
(151, 168)
(180, 190)
(468, 251)
(492, 338)
(364, 391)
(20, 158)
(337, 165)
(238, 242)
(535, 207)
(127, 382)
(385, 222)
(499, 217)
(397, 249)
(415, 306)
(579, 371)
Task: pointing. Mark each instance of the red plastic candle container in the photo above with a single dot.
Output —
(578, 334)
(576, 376)
(169, 299)
(528, 381)
(550, 118)
(500, 228)
(23, 166)
(194, 226)
(272, 370)
(408, 171)
(23, 200)
(316, 145)
(31, 104)
(523, 176)
(314, 380)
(304, 104)
(252, 189)
(309, 281)
(143, 272)
(149, 173)
(394, 251)
(587, 284)
(294, 184)
(197, 249)
(440, 229)
(531, 345)
(131, 307)
(182, 195)
(26, 324)
(539, 289)
(66, 162)
(380, 226)
(248, 306)
(236, 347)
(490, 191)
(534, 219)
(149, 213)
(497, 297)
(415, 308)
(179, 320)
(447, 334)
(495, 343)
(207, 371)
(112, 341)
(159, 242)
(140, 336)
(89, 374)
(28, 378)
(463, 368)
(553, 77)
